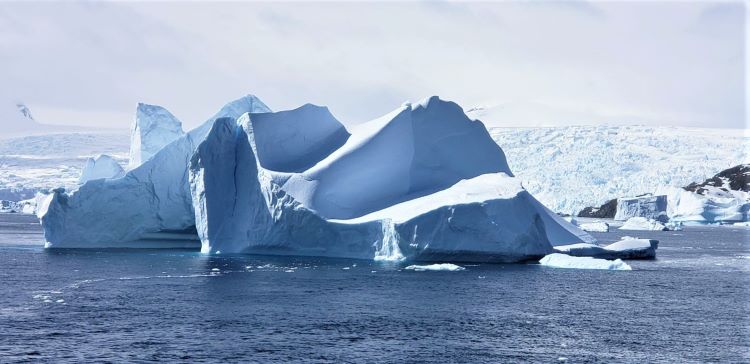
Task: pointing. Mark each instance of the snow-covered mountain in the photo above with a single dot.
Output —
(17, 120)
(570, 168)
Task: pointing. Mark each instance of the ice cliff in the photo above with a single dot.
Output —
(423, 182)
(649, 206)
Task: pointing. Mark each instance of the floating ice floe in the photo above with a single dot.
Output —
(627, 248)
(642, 223)
(557, 260)
(436, 267)
(599, 227)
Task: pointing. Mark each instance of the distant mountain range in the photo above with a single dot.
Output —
(16, 120)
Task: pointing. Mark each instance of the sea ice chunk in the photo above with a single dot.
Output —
(557, 260)
(436, 267)
(599, 226)
(642, 223)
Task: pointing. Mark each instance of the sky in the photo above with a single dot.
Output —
(656, 63)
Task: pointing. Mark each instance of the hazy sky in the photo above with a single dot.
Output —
(669, 63)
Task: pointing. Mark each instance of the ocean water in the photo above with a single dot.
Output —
(689, 305)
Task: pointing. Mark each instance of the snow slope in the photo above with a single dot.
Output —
(569, 168)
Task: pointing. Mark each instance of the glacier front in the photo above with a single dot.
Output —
(423, 182)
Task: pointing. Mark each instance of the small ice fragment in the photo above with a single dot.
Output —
(435, 267)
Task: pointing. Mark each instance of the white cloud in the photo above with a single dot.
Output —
(674, 63)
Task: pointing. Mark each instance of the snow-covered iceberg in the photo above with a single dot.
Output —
(642, 223)
(627, 248)
(598, 227)
(153, 128)
(649, 206)
(423, 182)
(557, 260)
(101, 166)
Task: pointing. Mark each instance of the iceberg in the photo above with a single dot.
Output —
(420, 197)
(557, 260)
(650, 207)
(101, 166)
(599, 227)
(642, 223)
(422, 183)
(153, 128)
(627, 248)
(149, 199)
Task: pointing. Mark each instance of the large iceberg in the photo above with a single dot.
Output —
(423, 182)
(153, 128)
(101, 166)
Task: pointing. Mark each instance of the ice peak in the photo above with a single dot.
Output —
(24, 110)
(248, 103)
(429, 102)
(153, 128)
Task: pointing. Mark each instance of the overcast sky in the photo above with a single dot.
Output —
(660, 63)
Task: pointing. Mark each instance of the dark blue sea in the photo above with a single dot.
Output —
(691, 305)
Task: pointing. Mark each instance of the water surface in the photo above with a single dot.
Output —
(689, 305)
